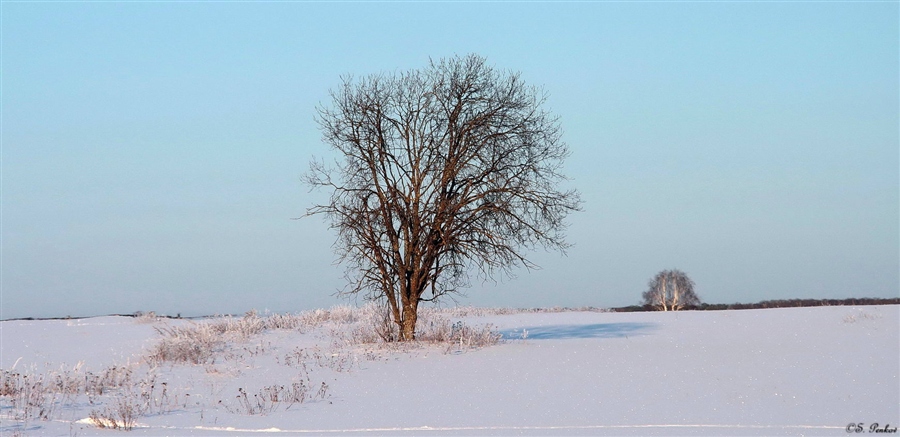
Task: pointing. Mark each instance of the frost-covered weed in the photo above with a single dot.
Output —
(201, 343)
(458, 336)
(132, 400)
(27, 395)
(194, 344)
(374, 326)
(148, 317)
(121, 413)
(305, 358)
(860, 315)
(119, 395)
(119, 398)
(269, 398)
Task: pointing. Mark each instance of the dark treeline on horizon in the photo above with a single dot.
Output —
(777, 303)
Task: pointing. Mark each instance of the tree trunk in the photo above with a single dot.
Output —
(675, 306)
(664, 296)
(408, 324)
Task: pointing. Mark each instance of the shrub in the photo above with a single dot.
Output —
(269, 398)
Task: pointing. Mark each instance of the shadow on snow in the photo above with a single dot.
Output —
(597, 330)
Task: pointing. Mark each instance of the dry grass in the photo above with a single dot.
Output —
(305, 358)
(204, 342)
(373, 325)
(458, 336)
(195, 344)
(119, 397)
(270, 398)
(861, 315)
(148, 317)
(200, 343)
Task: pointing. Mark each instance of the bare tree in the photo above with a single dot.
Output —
(671, 290)
(442, 170)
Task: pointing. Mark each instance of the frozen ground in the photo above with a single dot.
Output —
(797, 371)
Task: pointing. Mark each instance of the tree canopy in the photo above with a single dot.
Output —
(670, 290)
(441, 171)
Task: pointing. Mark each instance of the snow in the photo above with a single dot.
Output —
(809, 371)
(95, 342)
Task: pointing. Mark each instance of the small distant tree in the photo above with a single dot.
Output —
(671, 290)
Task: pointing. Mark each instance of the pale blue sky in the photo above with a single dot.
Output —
(152, 151)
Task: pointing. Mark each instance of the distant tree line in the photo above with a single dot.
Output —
(778, 303)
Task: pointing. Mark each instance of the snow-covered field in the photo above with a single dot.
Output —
(797, 371)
